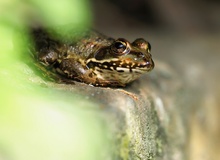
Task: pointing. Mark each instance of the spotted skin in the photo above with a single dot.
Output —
(93, 58)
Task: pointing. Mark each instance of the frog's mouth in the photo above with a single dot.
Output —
(116, 65)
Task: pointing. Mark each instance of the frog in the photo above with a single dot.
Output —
(93, 58)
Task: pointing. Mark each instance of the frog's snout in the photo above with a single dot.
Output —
(148, 64)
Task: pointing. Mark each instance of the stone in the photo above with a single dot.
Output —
(145, 118)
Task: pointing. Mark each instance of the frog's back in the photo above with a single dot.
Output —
(78, 44)
(88, 43)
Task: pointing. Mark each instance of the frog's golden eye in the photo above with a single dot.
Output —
(142, 44)
(120, 47)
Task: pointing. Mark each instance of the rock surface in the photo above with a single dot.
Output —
(144, 118)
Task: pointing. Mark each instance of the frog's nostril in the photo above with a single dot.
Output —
(141, 55)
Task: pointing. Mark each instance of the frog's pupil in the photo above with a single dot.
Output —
(119, 45)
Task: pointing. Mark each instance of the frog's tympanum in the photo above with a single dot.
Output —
(94, 58)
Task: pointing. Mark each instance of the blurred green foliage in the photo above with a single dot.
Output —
(38, 123)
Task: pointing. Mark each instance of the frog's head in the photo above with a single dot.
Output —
(122, 60)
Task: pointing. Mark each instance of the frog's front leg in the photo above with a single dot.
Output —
(73, 69)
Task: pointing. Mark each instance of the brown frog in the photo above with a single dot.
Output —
(93, 58)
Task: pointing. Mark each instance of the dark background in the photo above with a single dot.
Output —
(176, 16)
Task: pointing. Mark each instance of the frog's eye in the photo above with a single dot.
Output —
(142, 44)
(120, 47)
